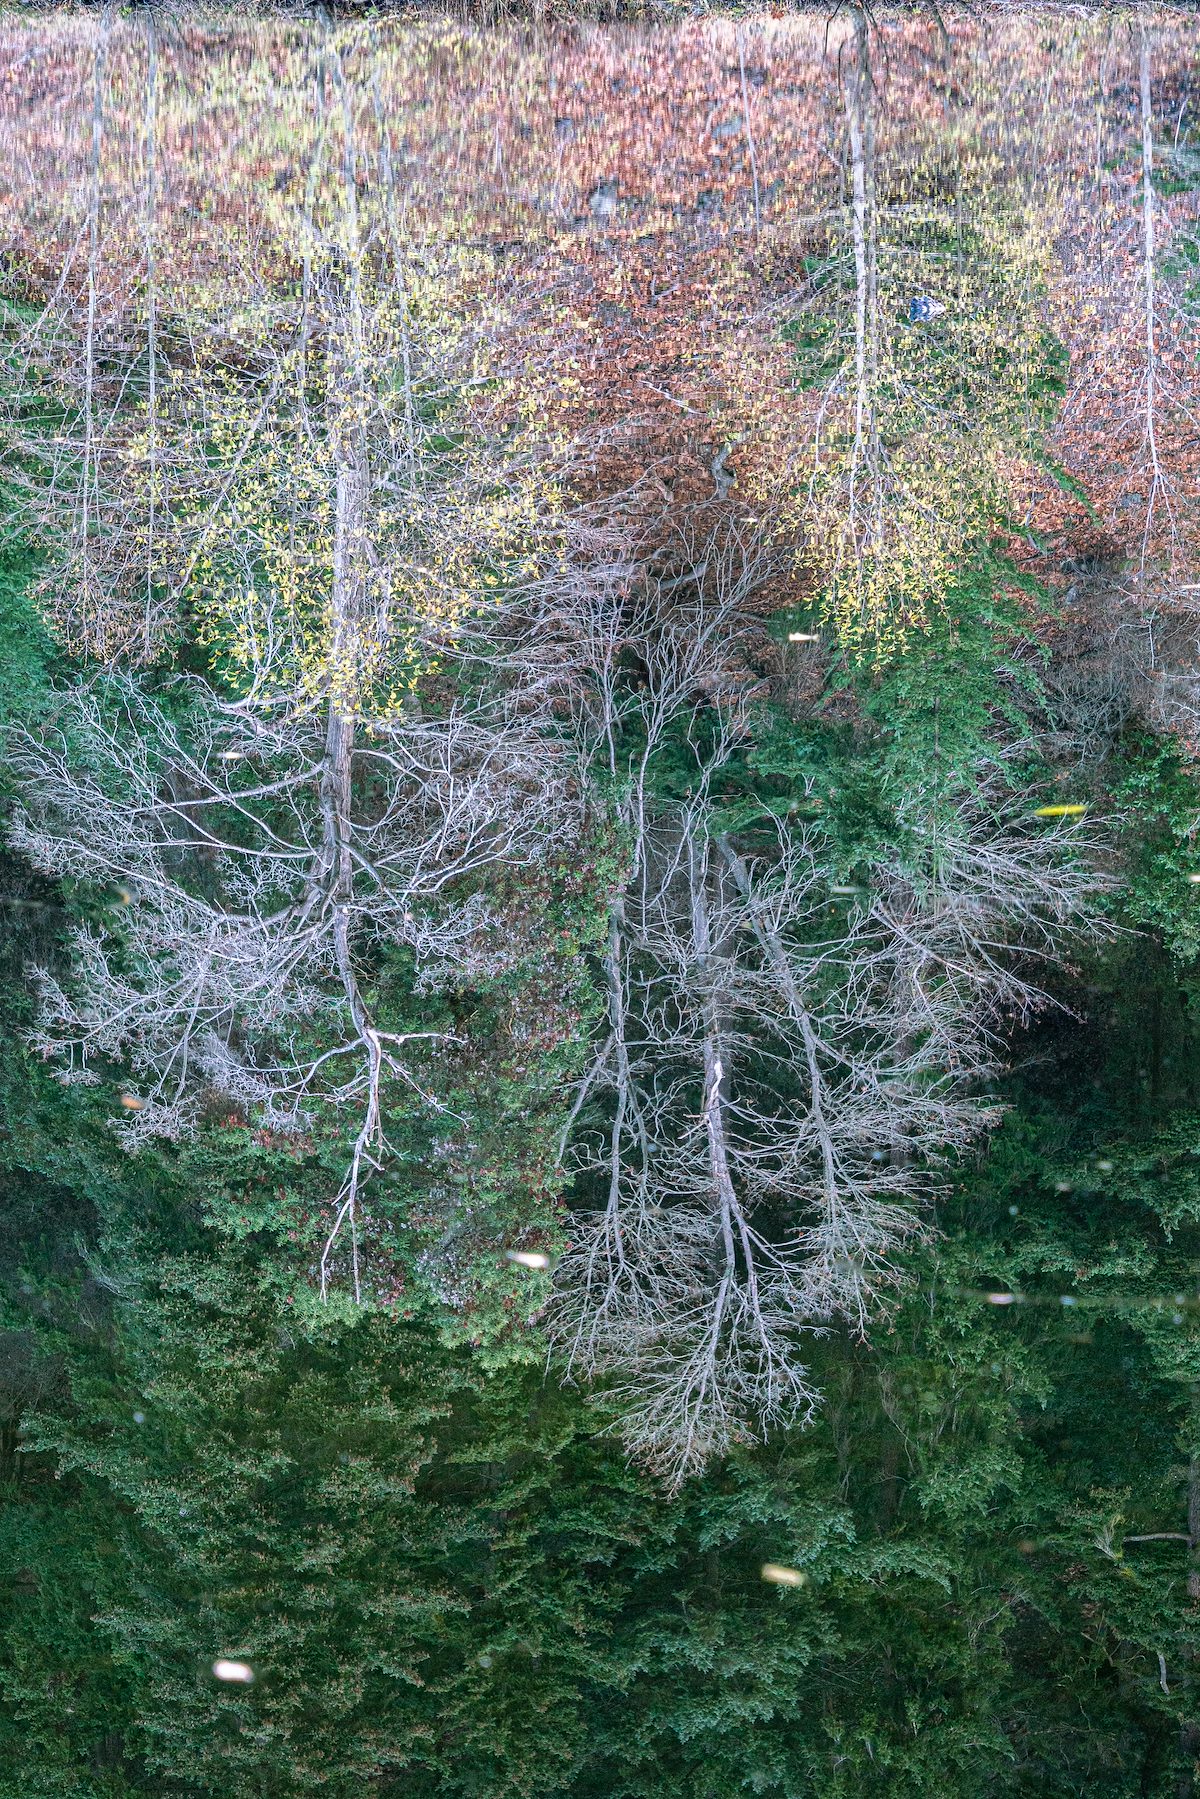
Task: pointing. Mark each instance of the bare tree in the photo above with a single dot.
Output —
(259, 886)
(282, 831)
(780, 1073)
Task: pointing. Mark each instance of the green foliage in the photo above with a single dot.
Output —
(445, 1578)
(1181, 264)
(818, 354)
(957, 707)
(1178, 171)
(24, 645)
(1157, 792)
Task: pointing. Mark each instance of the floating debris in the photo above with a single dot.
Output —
(528, 1258)
(923, 308)
(784, 1577)
(240, 1672)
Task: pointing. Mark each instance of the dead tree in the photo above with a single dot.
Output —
(285, 823)
(779, 1075)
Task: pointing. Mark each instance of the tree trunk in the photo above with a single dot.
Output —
(716, 1066)
(86, 501)
(860, 119)
(151, 133)
(1149, 280)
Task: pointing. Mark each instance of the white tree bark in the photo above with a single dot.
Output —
(1148, 279)
(89, 483)
(150, 138)
(865, 456)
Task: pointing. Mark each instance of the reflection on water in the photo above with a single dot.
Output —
(602, 731)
